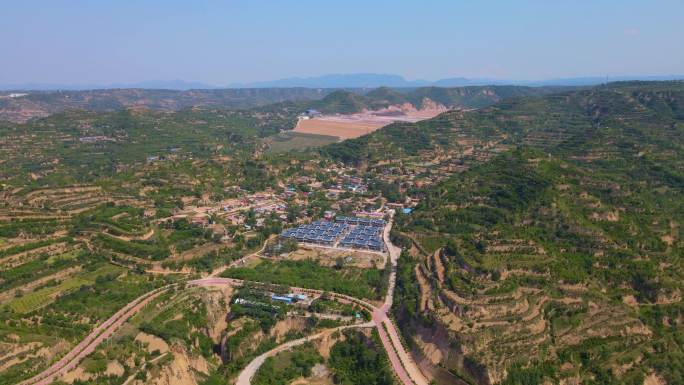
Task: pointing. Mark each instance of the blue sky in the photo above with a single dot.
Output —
(221, 42)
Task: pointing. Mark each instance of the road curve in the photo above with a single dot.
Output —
(401, 361)
(245, 377)
(403, 365)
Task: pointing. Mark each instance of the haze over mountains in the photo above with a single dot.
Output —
(24, 105)
(354, 80)
(542, 241)
(372, 80)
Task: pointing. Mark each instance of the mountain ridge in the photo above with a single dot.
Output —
(348, 80)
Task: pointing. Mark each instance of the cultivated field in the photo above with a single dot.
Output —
(292, 141)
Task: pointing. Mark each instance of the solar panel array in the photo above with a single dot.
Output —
(360, 233)
(322, 232)
(362, 236)
(361, 221)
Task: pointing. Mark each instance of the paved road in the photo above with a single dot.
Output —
(401, 361)
(92, 340)
(403, 365)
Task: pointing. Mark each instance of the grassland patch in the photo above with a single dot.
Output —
(293, 141)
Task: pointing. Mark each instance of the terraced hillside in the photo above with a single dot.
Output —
(559, 259)
(618, 115)
(544, 245)
(37, 104)
(79, 146)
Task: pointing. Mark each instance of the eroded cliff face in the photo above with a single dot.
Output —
(439, 355)
(183, 369)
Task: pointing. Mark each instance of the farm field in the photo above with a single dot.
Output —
(360, 283)
(293, 141)
(42, 297)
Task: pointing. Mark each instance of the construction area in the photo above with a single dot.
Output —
(348, 126)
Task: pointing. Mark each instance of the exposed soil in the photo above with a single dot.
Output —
(341, 129)
(153, 342)
(654, 379)
(362, 123)
(328, 257)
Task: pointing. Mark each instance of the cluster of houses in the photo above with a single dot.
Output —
(95, 139)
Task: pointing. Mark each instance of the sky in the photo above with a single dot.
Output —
(224, 42)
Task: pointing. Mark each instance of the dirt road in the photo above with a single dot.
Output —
(250, 370)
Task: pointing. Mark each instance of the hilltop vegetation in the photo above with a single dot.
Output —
(82, 146)
(544, 245)
(44, 103)
(620, 115)
(458, 97)
(37, 104)
(103, 140)
(561, 257)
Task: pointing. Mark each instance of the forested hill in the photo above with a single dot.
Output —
(638, 115)
(34, 104)
(557, 257)
(23, 106)
(342, 101)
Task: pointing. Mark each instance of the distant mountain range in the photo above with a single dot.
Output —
(358, 80)
(371, 80)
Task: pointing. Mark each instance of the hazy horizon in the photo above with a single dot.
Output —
(79, 43)
(332, 81)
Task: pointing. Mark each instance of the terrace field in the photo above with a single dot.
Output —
(548, 262)
(43, 297)
(296, 141)
(359, 283)
(542, 241)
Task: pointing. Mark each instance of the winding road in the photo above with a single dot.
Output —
(245, 377)
(402, 363)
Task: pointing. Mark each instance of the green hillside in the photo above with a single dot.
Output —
(560, 257)
(619, 115)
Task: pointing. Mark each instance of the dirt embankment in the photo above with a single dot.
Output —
(435, 353)
(362, 123)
